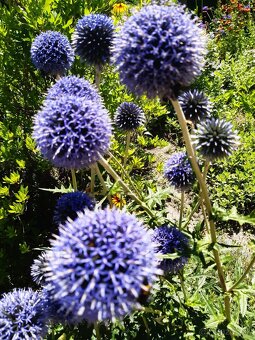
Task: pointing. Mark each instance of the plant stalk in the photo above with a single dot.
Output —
(181, 209)
(116, 177)
(98, 70)
(74, 182)
(92, 178)
(205, 196)
(128, 137)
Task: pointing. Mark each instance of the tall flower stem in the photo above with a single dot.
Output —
(74, 182)
(116, 177)
(92, 178)
(181, 209)
(98, 71)
(100, 177)
(128, 137)
(96, 326)
(181, 277)
(205, 197)
(124, 172)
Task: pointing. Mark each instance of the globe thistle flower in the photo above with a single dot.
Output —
(92, 38)
(195, 105)
(158, 51)
(170, 240)
(37, 269)
(129, 116)
(178, 171)
(215, 139)
(52, 53)
(69, 204)
(99, 263)
(23, 315)
(74, 86)
(72, 132)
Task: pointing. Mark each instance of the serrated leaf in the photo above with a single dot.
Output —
(4, 191)
(61, 190)
(21, 163)
(243, 303)
(224, 215)
(16, 208)
(235, 328)
(22, 194)
(13, 179)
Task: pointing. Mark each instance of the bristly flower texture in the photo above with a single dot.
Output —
(52, 53)
(72, 132)
(158, 51)
(178, 171)
(37, 269)
(73, 85)
(98, 264)
(170, 240)
(215, 139)
(23, 315)
(195, 105)
(92, 38)
(69, 204)
(129, 116)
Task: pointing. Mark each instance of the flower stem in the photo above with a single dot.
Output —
(98, 70)
(183, 286)
(74, 182)
(100, 177)
(244, 275)
(116, 177)
(97, 329)
(92, 178)
(181, 209)
(205, 197)
(128, 137)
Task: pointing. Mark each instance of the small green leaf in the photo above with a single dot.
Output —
(21, 163)
(4, 191)
(22, 194)
(235, 328)
(61, 190)
(13, 179)
(224, 215)
(69, 23)
(243, 303)
(16, 208)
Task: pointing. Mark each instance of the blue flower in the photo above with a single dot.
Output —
(92, 38)
(170, 240)
(72, 132)
(215, 139)
(75, 86)
(158, 51)
(23, 314)
(52, 53)
(195, 105)
(178, 171)
(98, 264)
(69, 204)
(129, 116)
(37, 268)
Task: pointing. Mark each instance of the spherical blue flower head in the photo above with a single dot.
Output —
(52, 53)
(158, 51)
(72, 132)
(195, 105)
(92, 38)
(23, 315)
(75, 86)
(170, 240)
(129, 116)
(37, 269)
(215, 139)
(69, 204)
(99, 263)
(178, 171)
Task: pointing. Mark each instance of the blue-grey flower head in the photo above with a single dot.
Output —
(195, 105)
(73, 85)
(52, 53)
(215, 139)
(158, 51)
(69, 204)
(37, 271)
(92, 38)
(178, 171)
(129, 116)
(72, 132)
(23, 314)
(170, 240)
(99, 263)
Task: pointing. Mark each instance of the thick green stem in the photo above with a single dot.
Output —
(183, 286)
(74, 182)
(97, 329)
(116, 177)
(92, 178)
(128, 137)
(244, 275)
(181, 209)
(100, 177)
(98, 70)
(204, 194)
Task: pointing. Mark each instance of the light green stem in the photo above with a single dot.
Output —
(128, 137)
(244, 275)
(96, 326)
(116, 177)
(183, 286)
(92, 178)
(205, 196)
(100, 177)
(98, 70)
(181, 209)
(74, 182)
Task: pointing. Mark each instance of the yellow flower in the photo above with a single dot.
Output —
(118, 9)
(118, 200)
